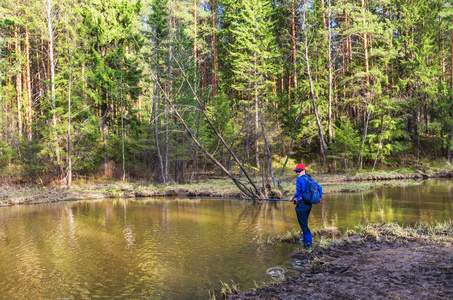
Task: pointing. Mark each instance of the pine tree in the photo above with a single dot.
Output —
(254, 56)
(108, 28)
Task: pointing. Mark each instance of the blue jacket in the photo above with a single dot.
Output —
(300, 187)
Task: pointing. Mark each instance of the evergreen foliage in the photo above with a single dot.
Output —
(228, 67)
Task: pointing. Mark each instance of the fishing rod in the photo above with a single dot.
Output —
(267, 199)
(232, 198)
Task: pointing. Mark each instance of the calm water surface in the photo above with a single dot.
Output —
(177, 248)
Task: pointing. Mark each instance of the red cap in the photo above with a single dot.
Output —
(299, 167)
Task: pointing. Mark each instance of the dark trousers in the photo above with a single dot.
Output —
(303, 212)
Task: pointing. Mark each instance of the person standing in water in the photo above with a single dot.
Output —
(303, 208)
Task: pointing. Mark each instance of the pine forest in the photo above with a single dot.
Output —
(169, 90)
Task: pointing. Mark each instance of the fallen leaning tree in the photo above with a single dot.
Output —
(251, 192)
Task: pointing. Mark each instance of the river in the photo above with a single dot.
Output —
(178, 248)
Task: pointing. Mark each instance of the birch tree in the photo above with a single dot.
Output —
(50, 17)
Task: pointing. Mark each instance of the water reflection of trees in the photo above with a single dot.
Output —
(151, 245)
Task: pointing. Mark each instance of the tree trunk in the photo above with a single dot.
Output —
(84, 84)
(365, 47)
(105, 131)
(4, 107)
(257, 154)
(312, 96)
(17, 48)
(269, 152)
(7, 83)
(323, 16)
(247, 137)
(293, 43)
(39, 78)
(214, 49)
(156, 112)
(380, 143)
(366, 88)
(27, 85)
(450, 148)
(195, 55)
(184, 166)
(69, 169)
(418, 132)
(195, 49)
(167, 109)
(52, 86)
(330, 75)
(366, 116)
(123, 178)
(195, 152)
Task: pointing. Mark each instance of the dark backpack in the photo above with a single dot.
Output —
(313, 191)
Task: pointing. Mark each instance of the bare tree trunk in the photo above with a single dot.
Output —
(156, 108)
(214, 49)
(450, 148)
(69, 169)
(330, 75)
(52, 84)
(4, 107)
(167, 109)
(247, 138)
(418, 132)
(293, 43)
(123, 178)
(257, 154)
(195, 152)
(312, 95)
(17, 48)
(156, 113)
(7, 83)
(156, 104)
(378, 149)
(195, 55)
(365, 47)
(323, 16)
(105, 131)
(195, 46)
(383, 128)
(367, 113)
(27, 85)
(269, 152)
(183, 167)
(367, 116)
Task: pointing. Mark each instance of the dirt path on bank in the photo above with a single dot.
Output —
(386, 263)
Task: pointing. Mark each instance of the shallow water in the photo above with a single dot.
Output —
(178, 248)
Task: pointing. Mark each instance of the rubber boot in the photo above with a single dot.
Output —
(308, 240)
